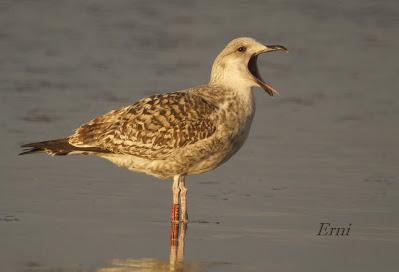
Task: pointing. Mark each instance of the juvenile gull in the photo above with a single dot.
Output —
(179, 133)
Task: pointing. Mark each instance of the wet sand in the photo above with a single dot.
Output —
(325, 150)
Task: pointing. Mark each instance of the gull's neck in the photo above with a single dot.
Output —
(230, 90)
(234, 94)
(232, 85)
(231, 77)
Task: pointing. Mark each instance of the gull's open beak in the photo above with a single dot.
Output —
(253, 67)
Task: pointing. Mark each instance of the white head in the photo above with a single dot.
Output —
(236, 67)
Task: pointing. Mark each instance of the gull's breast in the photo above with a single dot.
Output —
(235, 119)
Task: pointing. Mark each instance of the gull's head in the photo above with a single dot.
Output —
(236, 66)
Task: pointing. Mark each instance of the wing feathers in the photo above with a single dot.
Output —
(58, 147)
(151, 128)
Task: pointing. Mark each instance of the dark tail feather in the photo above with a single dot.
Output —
(53, 147)
(58, 147)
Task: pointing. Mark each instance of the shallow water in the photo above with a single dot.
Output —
(325, 150)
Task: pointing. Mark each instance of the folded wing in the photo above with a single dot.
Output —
(152, 128)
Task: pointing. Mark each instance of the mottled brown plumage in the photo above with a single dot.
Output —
(152, 127)
(179, 133)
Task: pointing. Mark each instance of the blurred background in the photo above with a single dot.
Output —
(325, 150)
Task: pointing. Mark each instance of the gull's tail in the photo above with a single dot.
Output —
(53, 147)
(59, 147)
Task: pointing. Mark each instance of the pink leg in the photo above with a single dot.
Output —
(176, 196)
(183, 199)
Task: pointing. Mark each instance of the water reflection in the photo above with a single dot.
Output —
(175, 263)
(177, 240)
(176, 257)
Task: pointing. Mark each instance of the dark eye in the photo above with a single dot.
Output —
(241, 49)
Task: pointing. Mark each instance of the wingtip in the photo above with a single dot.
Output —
(26, 149)
(29, 151)
(26, 145)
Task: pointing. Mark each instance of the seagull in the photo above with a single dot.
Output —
(176, 134)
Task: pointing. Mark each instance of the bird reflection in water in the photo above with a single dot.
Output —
(176, 258)
(177, 240)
